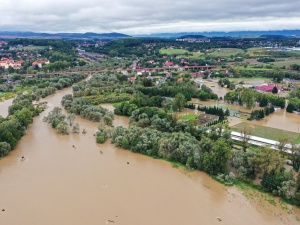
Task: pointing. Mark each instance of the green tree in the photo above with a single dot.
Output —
(245, 138)
(248, 98)
(76, 129)
(24, 116)
(101, 134)
(268, 161)
(282, 142)
(215, 161)
(179, 101)
(107, 120)
(275, 90)
(63, 128)
(4, 148)
(167, 105)
(295, 153)
(290, 108)
(71, 117)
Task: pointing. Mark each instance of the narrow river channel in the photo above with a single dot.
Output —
(64, 185)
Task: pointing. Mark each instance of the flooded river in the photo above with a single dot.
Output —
(4, 107)
(62, 185)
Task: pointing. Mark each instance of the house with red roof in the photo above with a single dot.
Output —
(39, 63)
(6, 63)
(267, 88)
(131, 79)
(169, 63)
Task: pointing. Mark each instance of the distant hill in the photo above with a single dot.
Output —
(110, 36)
(284, 33)
(272, 36)
(89, 35)
(192, 36)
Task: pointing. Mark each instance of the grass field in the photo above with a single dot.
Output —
(251, 80)
(257, 51)
(252, 68)
(188, 117)
(268, 132)
(175, 51)
(33, 48)
(180, 53)
(226, 52)
(194, 55)
(287, 62)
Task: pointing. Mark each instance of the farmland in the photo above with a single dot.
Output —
(226, 52)
(180, 53)
(173, 51)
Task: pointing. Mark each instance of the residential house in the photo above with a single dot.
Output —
(39, 63)
(6, 63)
(169, 63)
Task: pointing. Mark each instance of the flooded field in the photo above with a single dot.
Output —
(64, 185)
(279, 119)
(222, 104)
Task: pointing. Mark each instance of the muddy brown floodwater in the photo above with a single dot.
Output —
(279, 119)
(217, 89)
(62, 185)
(4, 107)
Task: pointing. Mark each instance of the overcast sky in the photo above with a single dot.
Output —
(145, 17)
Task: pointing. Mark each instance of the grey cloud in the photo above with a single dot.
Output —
(133, 16)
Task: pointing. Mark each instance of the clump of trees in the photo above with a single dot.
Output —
(81, 106)
(171, 88)
(62, 122)
(22, 111)
(215, 111)
(267, 164)
(260, 114)
(58, 120)
(175, 104)
(248, 97)
(206, 93)
(226, 82)
(102, 134)
(103, 88)
(12, 128)
(293, 105)
(208, 155)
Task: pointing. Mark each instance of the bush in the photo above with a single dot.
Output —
(101, 139)
(297, 198)
(4, 149)
(227, 179)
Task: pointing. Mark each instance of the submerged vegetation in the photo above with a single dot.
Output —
(156, 130)
(22, 111)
